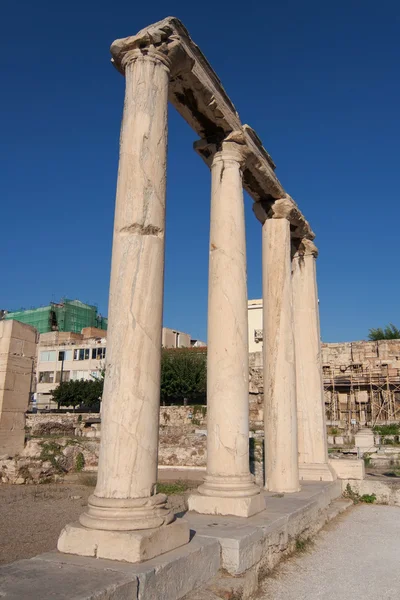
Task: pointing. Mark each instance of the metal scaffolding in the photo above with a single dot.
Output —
(357, 392)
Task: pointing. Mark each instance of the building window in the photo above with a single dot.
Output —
(65, 376)
(48, 356)
(98, 353)
(258, 335)
(82, 354)
(46, 377)
(79, 375)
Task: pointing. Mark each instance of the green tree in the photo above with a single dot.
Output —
(183, 375)
(390, 332)
(78, 392)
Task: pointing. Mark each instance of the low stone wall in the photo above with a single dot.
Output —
(175, 416)
(48, 459)
(386, 492)
(170, 416)
(56, 423)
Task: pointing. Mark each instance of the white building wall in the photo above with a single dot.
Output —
(79, 362)
(255, 316)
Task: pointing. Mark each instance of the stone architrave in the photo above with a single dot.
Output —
(229, 488)
(17, 355)
(280, 413)
(126, 519)
(313, 447)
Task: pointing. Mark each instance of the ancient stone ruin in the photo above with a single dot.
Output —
(17, 355)
(126, 518)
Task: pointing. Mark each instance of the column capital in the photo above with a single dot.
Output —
(231, 147)
(155, 43)
(284, 208)
(304, 247)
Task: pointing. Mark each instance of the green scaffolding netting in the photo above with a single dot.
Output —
(68, 315)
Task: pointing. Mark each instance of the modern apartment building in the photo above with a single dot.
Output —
(64, 356)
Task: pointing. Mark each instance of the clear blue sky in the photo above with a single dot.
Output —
(318, 81)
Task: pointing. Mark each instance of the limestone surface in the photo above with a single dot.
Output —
(17, 355)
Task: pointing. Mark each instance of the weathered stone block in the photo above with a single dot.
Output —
(348, 468)
(129, 546)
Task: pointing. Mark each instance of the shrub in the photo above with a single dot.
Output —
(383, 430)
(79, 462)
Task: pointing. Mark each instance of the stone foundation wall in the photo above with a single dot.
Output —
(256, 391)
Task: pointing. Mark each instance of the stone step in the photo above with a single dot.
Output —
(70, 577)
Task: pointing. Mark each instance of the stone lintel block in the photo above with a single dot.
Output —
(218, 505)
(316, 472)
(348, 468)
(128, 546)
(200, 82)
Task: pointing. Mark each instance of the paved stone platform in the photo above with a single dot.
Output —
(237, 545)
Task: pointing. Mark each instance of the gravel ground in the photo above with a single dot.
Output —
(32, 517)
(356, 557)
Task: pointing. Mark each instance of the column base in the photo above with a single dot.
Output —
(316, 472)
(126, 514)
(128, 546)
(223, 505)
(281, 489)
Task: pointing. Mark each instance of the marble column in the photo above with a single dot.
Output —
(126, 519)
(280, 419)
(313, 449)
(229, 488)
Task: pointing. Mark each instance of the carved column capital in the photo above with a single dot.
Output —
(232, 147)
(155, 43)
(304, 247)
(284, 208)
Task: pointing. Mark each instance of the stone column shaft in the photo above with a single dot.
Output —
(229, 487)
(313, 450)
(281, 459)
(125, 498)
(128, 457)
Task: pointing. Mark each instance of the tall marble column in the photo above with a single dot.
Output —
(280, 418)
(229, 488)
(126, 519)
(313, 449)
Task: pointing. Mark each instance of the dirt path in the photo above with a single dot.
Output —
(32, 517)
